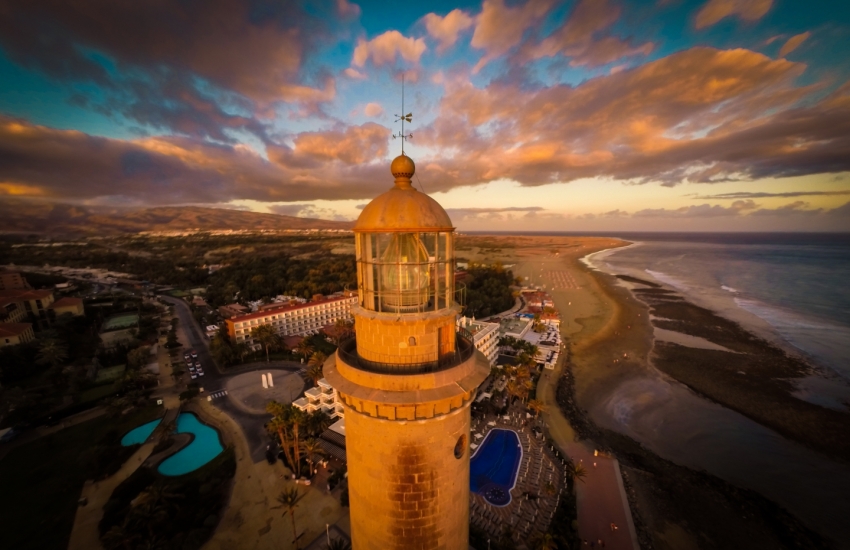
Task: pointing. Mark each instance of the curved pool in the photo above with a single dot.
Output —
(494, 466)
(204, 447)
(139, 435)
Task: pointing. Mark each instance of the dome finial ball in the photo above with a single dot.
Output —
(403, 167)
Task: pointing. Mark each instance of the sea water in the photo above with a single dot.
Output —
(799, 288)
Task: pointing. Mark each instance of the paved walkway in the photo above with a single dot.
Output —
(85, 534)
(601, 498)
(254, 519)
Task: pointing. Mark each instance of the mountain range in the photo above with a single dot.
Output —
(75, 220)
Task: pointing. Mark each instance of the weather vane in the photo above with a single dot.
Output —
(408, 117)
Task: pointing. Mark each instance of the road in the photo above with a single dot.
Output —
(253, 426)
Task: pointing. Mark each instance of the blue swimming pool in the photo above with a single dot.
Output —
(139, 435)
(205, 447)
(494, 466)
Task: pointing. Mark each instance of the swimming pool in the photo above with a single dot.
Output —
(494, 466)
(139, 435)
(205, 447)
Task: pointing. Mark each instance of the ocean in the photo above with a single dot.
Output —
(792, 289)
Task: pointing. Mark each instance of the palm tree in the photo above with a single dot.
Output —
(280, 424)
(304, 349)
(265, 335)
(297, 419)
(120, 536)
(577, 472)
(317, 422)
(338, 544)
(312, 448)
(51, 352)
(536, 406)
(289, 499)
(544, 542)
(314, 371)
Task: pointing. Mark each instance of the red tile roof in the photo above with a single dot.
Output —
(282, 309)
(21, 294)
(13, 329)
(66, 302)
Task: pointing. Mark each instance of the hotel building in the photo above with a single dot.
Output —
(293, 319)
(485, 337)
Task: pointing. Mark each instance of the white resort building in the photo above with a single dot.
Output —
(293, 319)
(485, 337)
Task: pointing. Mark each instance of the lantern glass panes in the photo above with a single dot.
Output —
(405, 272)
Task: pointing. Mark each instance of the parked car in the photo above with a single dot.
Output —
(193, 375)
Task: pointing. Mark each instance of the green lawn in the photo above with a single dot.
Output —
(41, 482)
(109, 374)
(97, 392)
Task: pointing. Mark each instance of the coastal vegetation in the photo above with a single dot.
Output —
(488, 290)
(149, 510)
(43, 479)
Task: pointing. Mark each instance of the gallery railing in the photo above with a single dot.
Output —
(464, 348)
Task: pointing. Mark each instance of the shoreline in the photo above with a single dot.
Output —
(610, 339)
(739, 369)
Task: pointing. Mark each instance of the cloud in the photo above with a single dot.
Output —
(354, 73)
(307, 211)
(646, 124)
(466, 214)
(700, 211)
(498, 28)
(445, 30)
(347, 9)
(794, 208)
(762, 195)
(842, 211)
(715, 10)
(615, 214)
(373, 110)
(201, 69)
(336, 164)
(582, 37)
(354, 145)
(793, 43)
(386, 48)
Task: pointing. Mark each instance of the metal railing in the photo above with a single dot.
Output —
(464, 348)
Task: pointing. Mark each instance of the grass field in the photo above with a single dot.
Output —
(42, 480)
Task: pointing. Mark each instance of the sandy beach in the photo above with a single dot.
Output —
(611, 342)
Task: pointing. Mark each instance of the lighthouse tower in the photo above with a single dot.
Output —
(407, 378)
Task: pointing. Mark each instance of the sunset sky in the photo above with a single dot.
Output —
(530, 115)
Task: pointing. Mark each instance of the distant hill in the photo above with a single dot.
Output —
(67, 219)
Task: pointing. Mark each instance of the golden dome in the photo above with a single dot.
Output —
(403, 208)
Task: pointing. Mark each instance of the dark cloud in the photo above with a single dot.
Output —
(182, 65)
(789, 194)
(700, 211)
(39, 161)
